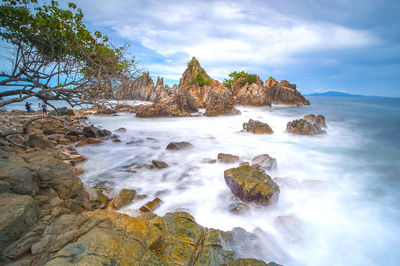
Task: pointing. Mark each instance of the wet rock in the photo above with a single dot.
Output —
(303, 127)
(120, 130)
(88, 141)
(257, 127)
(105, 111)
(17, 214)
(227, 158)
(318, 120)
(249, 262)
(284, 93)
(94, 132)
(180, 146)
(36, 141)
(238, 208)
(124, 197)
(151, 205)
(77, 158)
(159, 164)
(252, 184)
(97, 199)
(265, 161)
(209, 160)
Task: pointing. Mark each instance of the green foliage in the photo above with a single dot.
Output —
(199, 80)
(193, 62)
(245, 78)
(271, 78)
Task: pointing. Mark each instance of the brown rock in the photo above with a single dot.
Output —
(219, 104)
(97, 199)
(180, 146)
(151, 205)
(257, 127)
(251, 184)
(254, 94)
(159, 164)
(227, 158)
(36, 141)
(303, 127)
(316, 120)
(124, 197)
(265, 161)
(284, 93)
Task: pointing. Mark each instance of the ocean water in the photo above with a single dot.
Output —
(339, 200)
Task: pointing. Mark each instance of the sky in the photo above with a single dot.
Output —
(350, 46)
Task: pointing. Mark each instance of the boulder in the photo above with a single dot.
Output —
(303, 127)
(183, 145)
(238, 208)
(252, 184)
(284, 93)
(257, 127)
(227, 158)
(17, 214)
(159, 164)
(37, 141)
(178, 104)
(124, 197)
(121, 130)
(254, 94)
(248, 262)
(265, 161)
(318, 120)
(94, 132)
(151, 205)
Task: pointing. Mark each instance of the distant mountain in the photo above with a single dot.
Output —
(336, 94)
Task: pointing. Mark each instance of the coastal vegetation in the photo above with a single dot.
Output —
(243, 76)
(53, 56)
(201, 78)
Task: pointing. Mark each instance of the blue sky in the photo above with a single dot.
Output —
(344, 45)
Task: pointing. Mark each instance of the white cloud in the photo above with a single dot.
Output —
(222, 34)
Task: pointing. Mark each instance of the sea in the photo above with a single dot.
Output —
(339, 201)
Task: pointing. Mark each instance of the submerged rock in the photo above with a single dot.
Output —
(183, 145)
(159, 164)
(265, 161)
(257, 127)
(151, 205)
(303, 127)
(238, 208)
(227, 158)
(252, 184)
(318, 120)
(97, 199)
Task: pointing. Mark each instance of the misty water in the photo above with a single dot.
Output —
(339, 200)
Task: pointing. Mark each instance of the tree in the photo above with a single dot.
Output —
(245, 78)
(53, 56)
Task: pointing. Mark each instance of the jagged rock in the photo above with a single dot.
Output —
(257, 127)
(124, 197)
(265, 161)
(17, 214)
(180, 146)
(227, 158)
(219, 104)
(252, 184)
(97, 199)
(303, 127)
(151, 205)
(179, 104)
(159, 164)
(62, 111)
(316, 120)
(284, 93)
(254, 94)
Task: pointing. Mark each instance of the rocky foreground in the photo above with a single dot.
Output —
(47, 216)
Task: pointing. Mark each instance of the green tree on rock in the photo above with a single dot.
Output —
(53, 56)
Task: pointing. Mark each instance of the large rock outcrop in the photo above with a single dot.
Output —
(178, 104)
(219, 104)
(251, 184)
(284, 93)
(254, 94)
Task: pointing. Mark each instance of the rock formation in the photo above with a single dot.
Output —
(257, 127)
(219, 104)
(251, 184)
(254, 94)
(284, 93)
(316, 120)
(178, 104)
(303, 127)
